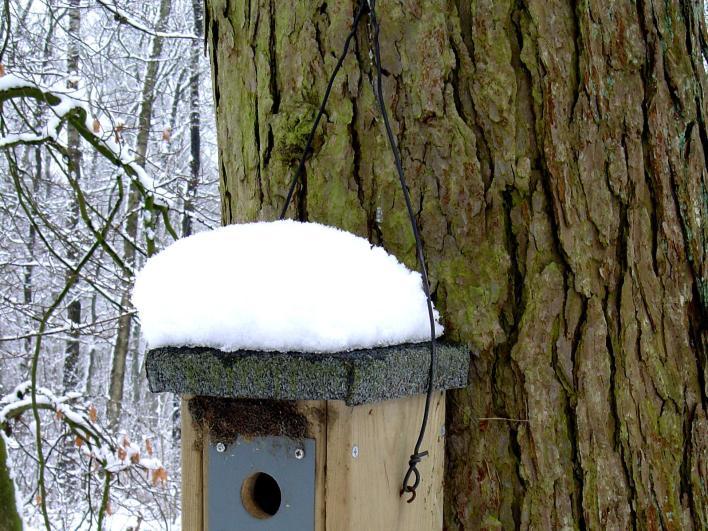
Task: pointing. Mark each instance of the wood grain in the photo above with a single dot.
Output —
(193, 513)
(363, 492)
(316, 413)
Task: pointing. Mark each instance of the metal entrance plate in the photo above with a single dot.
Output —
(290, 462)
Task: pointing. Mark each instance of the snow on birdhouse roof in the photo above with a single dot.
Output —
(281, 286)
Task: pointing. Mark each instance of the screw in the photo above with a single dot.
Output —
(379, 215)
(355, 451)
(220, 447)
(442, 431)
(299, 453)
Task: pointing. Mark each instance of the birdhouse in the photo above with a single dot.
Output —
(302, 441)
(303, 381)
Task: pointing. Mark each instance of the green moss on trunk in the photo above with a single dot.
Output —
(556, 154)
(9, 518)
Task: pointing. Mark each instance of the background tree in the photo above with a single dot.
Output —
(148, 95)
(557, 154)
(73, 144)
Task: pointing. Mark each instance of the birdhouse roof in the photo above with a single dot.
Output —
(360, 376)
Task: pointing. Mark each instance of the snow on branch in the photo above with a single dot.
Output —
(75, 112)
(124, 18)
(93, 440)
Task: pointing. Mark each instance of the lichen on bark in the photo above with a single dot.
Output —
(556, 156)
(9, 517)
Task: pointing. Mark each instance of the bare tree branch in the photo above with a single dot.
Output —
(74, 112)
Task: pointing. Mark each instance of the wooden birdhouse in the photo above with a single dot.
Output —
(294, 417)
(302, 441)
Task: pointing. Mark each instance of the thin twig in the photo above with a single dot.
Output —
(503, 418)
(63, 329)
(104, 499)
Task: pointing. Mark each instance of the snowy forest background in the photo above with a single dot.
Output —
(107, 154)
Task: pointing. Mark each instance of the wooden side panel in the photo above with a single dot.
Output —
(205, 481)
(193, 513)
(316, 413)
(363, 492)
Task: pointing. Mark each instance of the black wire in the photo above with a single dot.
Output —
(370, 5)
(417, 455)
(301, 166)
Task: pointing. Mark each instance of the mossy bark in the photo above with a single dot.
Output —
(556, 153)
(9, 518)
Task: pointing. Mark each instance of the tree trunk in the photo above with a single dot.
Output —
(195, 143)
(195, 162)
(10, 520)
(27, 277)
(556, 152)
(125, 323)
(28, 282)
(95, 383)
(72, 367)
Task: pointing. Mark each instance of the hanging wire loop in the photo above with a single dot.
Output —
(417, 456)
(411, 480)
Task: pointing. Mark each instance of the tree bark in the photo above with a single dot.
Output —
(556, 152)
(10, 520)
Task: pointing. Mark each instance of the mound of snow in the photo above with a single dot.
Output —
(280, 286)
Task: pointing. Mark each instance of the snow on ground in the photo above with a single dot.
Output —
(280, 286)
(123, 519)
